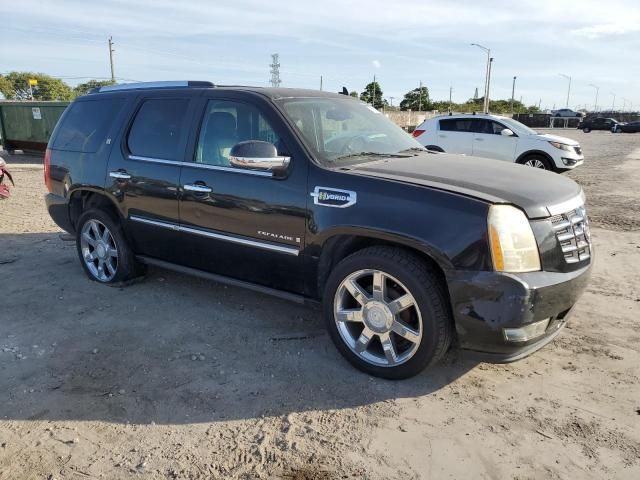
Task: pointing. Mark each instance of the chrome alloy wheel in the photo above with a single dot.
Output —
(378, 318)
(99, 250)
(535, 163)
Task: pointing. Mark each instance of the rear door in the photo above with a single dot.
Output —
(455, 135)
(245, 224)
(488, 141)
(144, 170)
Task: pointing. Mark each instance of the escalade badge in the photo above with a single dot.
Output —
(333, 197)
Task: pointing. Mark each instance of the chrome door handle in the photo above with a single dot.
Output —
(120, 175)
(442, 136)
(197, 188)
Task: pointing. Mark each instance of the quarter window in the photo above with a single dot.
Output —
(226, 123)
(158, 130)
(86, 124)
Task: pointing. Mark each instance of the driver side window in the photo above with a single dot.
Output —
(226, 123)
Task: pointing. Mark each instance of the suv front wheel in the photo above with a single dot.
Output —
(536, 161)
(103, 249)
(387, 313)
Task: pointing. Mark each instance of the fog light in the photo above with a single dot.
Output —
(569, 161)
(526, 333)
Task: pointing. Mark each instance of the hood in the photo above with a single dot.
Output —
(545, 137)
(533, 190)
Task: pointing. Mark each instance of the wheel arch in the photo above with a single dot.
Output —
(529, 153)
(82, 199)
(339, 245)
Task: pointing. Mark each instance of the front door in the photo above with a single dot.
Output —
(144, 171)
(490, 143)
(245, 224)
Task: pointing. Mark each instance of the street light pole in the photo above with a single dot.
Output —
(569, 90)
(487, 76)
(595, 105)
(613, 105)
(513, 91)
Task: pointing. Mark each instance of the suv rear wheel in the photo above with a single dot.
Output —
(387, 313)
(586, 129)
(103, 250)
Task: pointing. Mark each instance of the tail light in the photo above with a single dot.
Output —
(47, 169)
(417, 133)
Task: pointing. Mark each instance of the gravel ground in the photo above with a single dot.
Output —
(177, 377)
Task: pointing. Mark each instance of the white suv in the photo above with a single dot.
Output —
(500, 138)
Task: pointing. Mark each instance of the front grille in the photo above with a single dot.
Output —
(572, 232)
(578, 150)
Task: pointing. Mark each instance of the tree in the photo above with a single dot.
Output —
(83, 88)
(416, 100)
(48, 88)
(374, 91)
(6, 88)
(354, 94)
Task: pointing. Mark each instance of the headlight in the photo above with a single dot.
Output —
(562, 146)
(513, 246)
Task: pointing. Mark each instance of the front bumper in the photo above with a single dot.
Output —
(58, 208)
(484, 303)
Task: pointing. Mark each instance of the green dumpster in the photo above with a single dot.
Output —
(27, 125)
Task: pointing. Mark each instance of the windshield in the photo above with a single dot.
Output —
(344, 130)
(518, 127)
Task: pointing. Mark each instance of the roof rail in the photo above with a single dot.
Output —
(144, 85)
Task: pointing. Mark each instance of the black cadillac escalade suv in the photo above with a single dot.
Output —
(316, 196)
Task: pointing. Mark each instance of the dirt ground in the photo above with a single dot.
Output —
(177, 377)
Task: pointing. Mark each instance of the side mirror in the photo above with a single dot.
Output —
(257, 155)
(507, 132)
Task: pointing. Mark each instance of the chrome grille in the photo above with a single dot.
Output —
(572, 232)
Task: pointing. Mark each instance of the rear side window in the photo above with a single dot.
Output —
(159, 129)
(86, 124)
(455, 125)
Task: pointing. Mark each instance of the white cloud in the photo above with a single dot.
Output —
(376, 63)
(597, 31)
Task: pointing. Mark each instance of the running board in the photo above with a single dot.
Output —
(292, 297)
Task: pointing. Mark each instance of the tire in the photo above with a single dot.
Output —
(586, 129)
(537, 161)
(416, 334)
(105, 258)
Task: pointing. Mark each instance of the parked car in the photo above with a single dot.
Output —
(499, 138)
(317, 197)
(567, 112)
(599, 123)
(631, 127)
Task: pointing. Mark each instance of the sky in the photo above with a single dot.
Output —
(345, 42)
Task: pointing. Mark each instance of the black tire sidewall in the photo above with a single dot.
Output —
(586, 130)
(427, 352)
(126, 260)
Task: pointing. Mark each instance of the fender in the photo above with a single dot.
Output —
(535, 152)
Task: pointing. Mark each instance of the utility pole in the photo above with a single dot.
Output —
(613, 105)
(420, 98)
(595, 105)
(568, 77)
(113, 76)
(373, 90)
(487, 75)
(320, 82)
(450, 102)
(391, 101)
(513, 91)
(489, 84)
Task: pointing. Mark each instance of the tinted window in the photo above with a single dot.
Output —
(158, 130)
(489, 127)
(85, 125)
(456, 125)
(226, 123)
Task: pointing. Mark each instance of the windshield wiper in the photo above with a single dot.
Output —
(371, 154)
